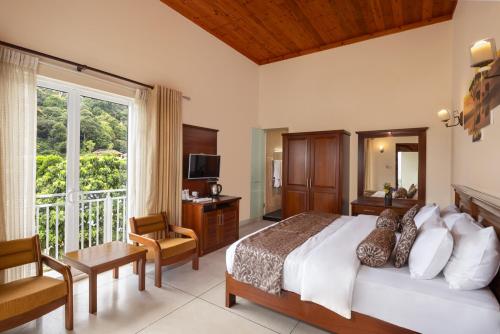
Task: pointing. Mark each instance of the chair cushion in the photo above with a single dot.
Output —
(26, 294)
(174, 246)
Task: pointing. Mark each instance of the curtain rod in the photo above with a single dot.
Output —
(79, 67)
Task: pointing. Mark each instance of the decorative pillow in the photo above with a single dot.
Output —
(431, 251)
(412, 191)
(476, 256)
(403, 248)
(409, 215)
(389, 219)
(400, 193)
(425, 213)
(376, 248)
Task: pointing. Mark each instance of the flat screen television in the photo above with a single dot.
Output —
(203, 166)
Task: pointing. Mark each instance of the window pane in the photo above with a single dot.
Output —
(52, 119)
(103, 145)
(103, 170)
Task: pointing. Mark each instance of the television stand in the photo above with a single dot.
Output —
(215, 222)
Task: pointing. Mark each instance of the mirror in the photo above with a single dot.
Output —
(395, 159)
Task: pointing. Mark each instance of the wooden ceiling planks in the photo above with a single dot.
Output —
(272, 30)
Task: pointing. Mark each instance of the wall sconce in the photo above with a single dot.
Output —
(483, 53)
(445, 116)
(381, 149)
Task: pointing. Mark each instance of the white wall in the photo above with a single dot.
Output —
(474, 164)
(147, 41)
(396, 81)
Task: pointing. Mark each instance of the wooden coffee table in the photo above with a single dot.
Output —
(97, 259)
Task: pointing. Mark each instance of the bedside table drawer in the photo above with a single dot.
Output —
(366, 210)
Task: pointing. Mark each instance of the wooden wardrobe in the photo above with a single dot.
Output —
(316, 172)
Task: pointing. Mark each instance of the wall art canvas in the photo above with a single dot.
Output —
(482, 100)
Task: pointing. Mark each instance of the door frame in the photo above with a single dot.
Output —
(72, 198)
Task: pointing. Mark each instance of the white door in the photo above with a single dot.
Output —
(81, 166)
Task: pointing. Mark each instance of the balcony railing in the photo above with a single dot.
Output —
(102, 218)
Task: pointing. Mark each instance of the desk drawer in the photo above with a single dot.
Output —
(366, 210)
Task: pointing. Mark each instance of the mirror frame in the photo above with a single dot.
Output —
(421, 133)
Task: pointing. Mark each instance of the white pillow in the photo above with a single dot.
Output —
(426, 212)
(475, 258)
(465, 222)
(431, 251)
(450, 209)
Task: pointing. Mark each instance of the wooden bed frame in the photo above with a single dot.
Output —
(483, 207)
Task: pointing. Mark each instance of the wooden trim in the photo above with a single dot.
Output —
(422, 155)
(199, 127)
(392, 132)
(308, 133)
(354, 40)
(289, 303)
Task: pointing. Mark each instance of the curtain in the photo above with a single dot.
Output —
(155, 154)
(138, 169)
(17, 149)
(368, 164)
(165, 153)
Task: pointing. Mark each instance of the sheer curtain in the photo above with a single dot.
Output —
(17, 148)
(368, 164)
(138, 169)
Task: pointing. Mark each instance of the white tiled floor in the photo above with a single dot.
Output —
(189, 302)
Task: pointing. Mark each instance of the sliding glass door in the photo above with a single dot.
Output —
(81, 167)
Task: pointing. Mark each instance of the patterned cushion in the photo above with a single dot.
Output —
(409, 215)
(412, 191)
(400, 193)
(389, 219)
(376, 248)
(408, 235)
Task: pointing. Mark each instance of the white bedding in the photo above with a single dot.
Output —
(389, 294)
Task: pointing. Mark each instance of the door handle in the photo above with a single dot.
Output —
(70, 196)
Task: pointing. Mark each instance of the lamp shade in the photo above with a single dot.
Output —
(444, 115)
(482, 52)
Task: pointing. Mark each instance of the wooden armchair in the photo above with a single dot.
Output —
(29, 298)
(163, 249)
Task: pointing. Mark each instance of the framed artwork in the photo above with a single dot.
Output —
(482, 100)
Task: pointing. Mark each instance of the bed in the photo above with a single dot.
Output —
(386, 300)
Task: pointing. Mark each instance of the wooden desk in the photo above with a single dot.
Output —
(97, 259)
(374, 206)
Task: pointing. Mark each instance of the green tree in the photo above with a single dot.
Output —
(97, 172)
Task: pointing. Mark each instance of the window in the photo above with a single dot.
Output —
(81, 175)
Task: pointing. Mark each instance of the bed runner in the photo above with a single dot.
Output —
(259, 259)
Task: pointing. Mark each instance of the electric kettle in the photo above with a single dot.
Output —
(215, 189)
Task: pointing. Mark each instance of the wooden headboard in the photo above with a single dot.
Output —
(485, 209)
